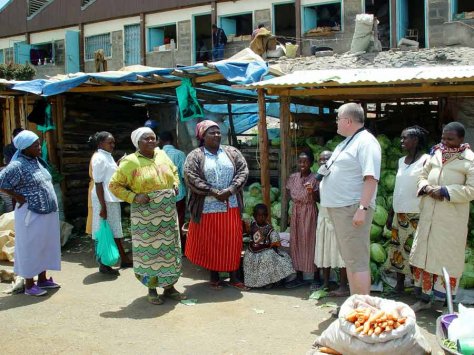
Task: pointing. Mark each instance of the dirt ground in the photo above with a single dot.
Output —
(94, 313)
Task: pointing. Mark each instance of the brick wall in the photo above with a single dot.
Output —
(438, 14)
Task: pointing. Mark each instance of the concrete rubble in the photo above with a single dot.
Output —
(455, 56)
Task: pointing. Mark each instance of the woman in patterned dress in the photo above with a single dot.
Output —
(406, 203)
(104, 204)
(215, 175)
(264, 264)
(148, 180)
(302, 187)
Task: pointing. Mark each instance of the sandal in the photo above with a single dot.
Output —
(156, 300)
(175, 295)
(216, 285)
(239, 285)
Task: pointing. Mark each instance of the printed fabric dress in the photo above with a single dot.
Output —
(304, 216)
(269, 265)
(156, 244)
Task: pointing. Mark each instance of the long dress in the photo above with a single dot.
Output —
(327, 253)
(303, 222)
(266, 266)
(156, 245)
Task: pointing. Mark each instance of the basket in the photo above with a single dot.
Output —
(291, 50)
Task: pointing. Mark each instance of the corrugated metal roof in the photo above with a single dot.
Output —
(368, 76)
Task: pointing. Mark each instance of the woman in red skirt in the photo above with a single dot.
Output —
(215, 175)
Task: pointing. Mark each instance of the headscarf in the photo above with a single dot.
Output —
(138, 133)
(448, 153)
(23, 140)
(202, 127)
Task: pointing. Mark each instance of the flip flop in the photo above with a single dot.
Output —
(216, 285)
(156, 300)
(239, 285)
(175, 295)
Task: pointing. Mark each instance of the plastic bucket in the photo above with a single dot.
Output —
(447, 319)
(291, 50)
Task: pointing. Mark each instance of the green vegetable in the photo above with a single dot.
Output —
(387, 233)
(388, 180)
(374, 273)
(316, 295)
(384, 141)
(274, 194)
(377, 253)
(375, 233)
(381, 201)
(275, 142)
(255, 189)
(380, 216)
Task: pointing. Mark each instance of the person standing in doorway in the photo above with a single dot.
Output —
(178, 158)
(348, 189)
(219, 40)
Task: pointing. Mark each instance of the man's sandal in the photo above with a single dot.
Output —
(175, 295)
(240, 286)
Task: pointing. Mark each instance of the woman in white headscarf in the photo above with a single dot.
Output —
(148, 180)
(37, 238)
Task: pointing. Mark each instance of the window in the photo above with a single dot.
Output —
(159, 38)
(8, 55)
(327, 16)
(41, 54)
(1, 56)
(237, 25)
(284, 21)
(462, 9)
(94, 43)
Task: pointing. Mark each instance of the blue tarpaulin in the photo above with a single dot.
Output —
(235, 72)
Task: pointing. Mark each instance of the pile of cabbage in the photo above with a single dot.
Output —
(253, 196)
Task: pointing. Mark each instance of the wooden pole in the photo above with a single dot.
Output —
(233, 137)
(263, 143)
(298, 25)
(285, 155)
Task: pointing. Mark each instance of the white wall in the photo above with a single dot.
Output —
(48, 36)
(8, 42)
(241, 6)
(315, 2)
(163, 18)
(98, 28)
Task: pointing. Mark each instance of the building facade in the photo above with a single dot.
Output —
(62, 36)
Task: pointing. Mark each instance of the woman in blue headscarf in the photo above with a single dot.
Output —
(37, 236)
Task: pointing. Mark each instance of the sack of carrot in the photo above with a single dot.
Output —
(373, 325)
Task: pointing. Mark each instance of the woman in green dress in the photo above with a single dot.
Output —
(148, 180)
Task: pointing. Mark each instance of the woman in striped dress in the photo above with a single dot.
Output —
(215, 175)
(148, 180)
(302, 187)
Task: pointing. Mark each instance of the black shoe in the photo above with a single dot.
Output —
(296, 283)
(104, 269)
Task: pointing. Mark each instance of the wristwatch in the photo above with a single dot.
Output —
(361, 207)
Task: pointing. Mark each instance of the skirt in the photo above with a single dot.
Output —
(327, 253)
(156, 245)
(303, 236)
(114, 217)
(266, 267)
(403, 230)
(37, 242)
(216, 242)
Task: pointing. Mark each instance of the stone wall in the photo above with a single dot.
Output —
(340, 42)
(263, 16)
(438, 14)
(48, 70)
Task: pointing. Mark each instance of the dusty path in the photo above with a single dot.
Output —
(97, 314)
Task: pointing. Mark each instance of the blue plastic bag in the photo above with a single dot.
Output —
(106, 251)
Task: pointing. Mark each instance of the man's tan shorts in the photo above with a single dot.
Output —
(353, 242)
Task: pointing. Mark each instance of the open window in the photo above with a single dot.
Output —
(237, 25)
(284, 18)
(41, 54)
(160, 37)
(322, 18)
(462, 9)
(94, 43)
(411, 20)
(2, 57)
(381, 10)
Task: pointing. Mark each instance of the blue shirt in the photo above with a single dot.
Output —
(28, 177)
(219, 173)
(178, 158)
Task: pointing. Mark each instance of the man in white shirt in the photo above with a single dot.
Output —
(348, 190)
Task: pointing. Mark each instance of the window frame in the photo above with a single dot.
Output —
(106, 55)
(304, 25)
(149, 46)
(228, 33)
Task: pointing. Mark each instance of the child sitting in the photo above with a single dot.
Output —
(264, 264)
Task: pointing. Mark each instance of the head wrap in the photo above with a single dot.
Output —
(23, 140)
(138, 133)
(203, 126)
